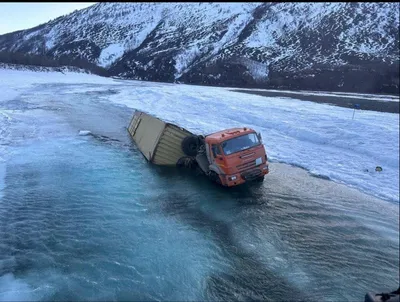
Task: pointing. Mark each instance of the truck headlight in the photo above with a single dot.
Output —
(232, 177)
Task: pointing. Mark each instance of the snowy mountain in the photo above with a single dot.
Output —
(319, 46)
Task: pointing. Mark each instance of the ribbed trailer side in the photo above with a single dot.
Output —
(168, 150)
(159, 142)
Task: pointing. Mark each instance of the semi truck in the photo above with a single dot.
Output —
(228, 157)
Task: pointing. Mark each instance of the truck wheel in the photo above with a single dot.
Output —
(213, 176)
(186, 162)
(190, 145)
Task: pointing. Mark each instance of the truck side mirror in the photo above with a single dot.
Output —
(259, 136)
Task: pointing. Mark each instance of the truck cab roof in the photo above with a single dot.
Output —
(226, 134)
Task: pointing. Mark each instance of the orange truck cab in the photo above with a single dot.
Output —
(230, 157)
(236, 156)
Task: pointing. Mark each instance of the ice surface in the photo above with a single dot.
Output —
(84, 132)
(321, 138)
(372, 97)
(12, 82)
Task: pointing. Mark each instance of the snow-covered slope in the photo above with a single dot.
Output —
(321, 138)
(321, 46)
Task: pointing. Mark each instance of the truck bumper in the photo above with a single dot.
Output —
(246, 176)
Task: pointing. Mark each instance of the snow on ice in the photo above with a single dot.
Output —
(84, 132)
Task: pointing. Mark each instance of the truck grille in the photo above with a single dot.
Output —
(250, 175)
(246, 166)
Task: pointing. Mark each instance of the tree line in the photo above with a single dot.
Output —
(20, 58)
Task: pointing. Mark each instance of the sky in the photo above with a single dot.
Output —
(23, 15)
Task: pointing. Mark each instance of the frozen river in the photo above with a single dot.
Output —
(86, 218)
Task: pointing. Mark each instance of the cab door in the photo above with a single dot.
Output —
(217, 157)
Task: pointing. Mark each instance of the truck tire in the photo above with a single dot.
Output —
(186, 162)
(190, 145)
(214, 177)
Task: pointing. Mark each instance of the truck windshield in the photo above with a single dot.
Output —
(240, 143)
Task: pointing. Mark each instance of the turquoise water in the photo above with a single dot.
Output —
(88, 228)
(87, 218)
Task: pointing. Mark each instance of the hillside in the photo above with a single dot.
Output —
(312, 46)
